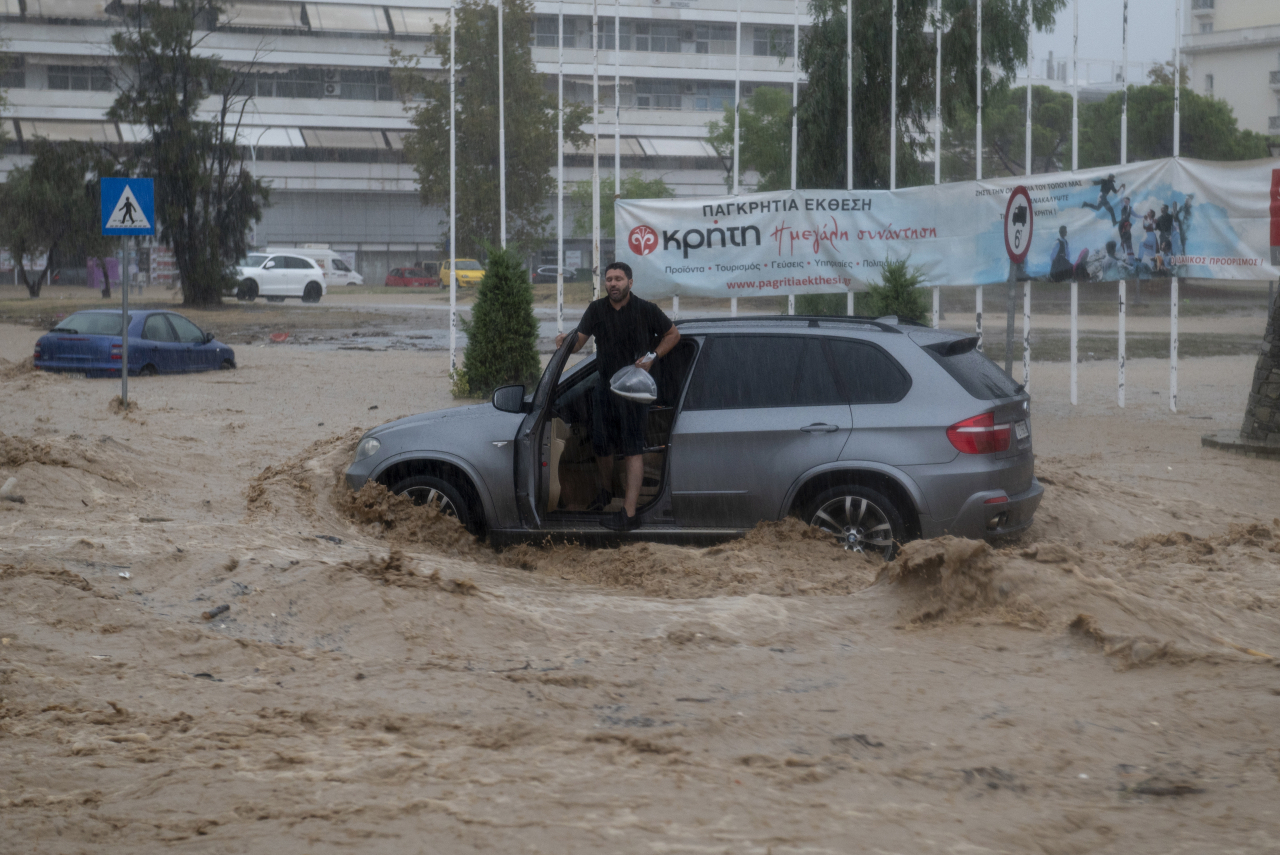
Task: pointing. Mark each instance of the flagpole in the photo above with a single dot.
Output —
(848, 107)
(595, 149)
(937, 94)
(737, 122)
(502, 136)
(795, 128)
(1075, 90)
(617, 112)
(978, 174)
(453, 192)
(893, 100)
(1124, 81)
(1030, 56)
(560, 175)
(1177, 79)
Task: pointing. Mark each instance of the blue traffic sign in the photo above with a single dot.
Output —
(128, 206)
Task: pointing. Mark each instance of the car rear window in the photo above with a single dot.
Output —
(739, 372)
(976, 374)
(91, 323)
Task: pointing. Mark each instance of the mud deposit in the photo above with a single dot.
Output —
(381, 682)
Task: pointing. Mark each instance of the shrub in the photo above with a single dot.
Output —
(822, 304)
(502, 334)
(898, 294)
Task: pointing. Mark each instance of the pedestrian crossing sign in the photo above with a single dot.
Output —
(128, 206)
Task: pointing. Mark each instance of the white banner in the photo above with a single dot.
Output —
(1155, 219)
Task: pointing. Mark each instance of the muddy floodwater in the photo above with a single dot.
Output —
(379, 682)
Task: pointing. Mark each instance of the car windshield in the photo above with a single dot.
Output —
(91, 323)
(464, 264)
(253, 259)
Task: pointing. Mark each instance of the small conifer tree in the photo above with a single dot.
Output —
(899, 293)
(502, 335)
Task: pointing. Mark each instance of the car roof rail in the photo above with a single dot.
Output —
(830, 321)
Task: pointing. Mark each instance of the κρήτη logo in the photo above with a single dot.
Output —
(642, 240)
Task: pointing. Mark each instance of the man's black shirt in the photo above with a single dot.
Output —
(623, 335)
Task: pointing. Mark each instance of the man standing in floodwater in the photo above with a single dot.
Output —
(626, 329)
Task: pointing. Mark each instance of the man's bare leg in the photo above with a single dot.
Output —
(635, 474)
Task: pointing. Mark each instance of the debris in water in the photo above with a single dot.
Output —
(214, 612)
(124, 574)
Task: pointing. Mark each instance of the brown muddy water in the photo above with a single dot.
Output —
(380, 682)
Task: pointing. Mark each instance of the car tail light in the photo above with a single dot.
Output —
(115, 351)
(37, 353)
(980, 435)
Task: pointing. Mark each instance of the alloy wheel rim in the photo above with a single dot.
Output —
(857, 524)
(432, 497)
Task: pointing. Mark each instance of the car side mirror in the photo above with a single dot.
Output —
(268, 265)
(509, 399)
(208, 337)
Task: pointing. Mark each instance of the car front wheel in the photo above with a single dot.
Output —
(311, 294)
(248, 290)
(860, 519)
(436, 493)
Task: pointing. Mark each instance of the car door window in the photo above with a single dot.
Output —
(188, 332)
(157, 329)
(866, 373)
(746, 372)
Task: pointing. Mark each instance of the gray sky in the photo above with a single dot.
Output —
(1151, 33)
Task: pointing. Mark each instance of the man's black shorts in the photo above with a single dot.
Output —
(618, 425)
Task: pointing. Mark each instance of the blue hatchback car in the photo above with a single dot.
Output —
(160, 342)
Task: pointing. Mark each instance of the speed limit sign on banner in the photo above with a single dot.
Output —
(1019, 222)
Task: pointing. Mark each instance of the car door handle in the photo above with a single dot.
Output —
(820, 428)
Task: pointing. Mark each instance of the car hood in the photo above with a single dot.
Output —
(478, 417)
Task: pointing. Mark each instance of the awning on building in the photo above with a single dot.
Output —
(277, 15)
(342, 138)
(417, 22)
(346, 18)
(267, 137)
(669, 147)
(63, 131)
(78, 10)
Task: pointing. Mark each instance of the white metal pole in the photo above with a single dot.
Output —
(124, 324)
(1026, 334)
(737, 109)
(977, 306)
(675, 307)
(560, 175)
(453, 190)
(1173, 344)
(1120, 348)
(937, 93)
(937, 306)
(1075, 85)
(795, 90)
(848, 98)
(1075, 329)
(595, 150)
(848, 302)
(893, 100)
(617, 113)
(979, 148)
(1177, 81)
(1030, 59)
(502, 137)
(1124, 81)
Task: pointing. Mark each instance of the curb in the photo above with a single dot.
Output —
(1231, 442)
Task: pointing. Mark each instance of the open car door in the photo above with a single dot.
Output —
(528, 438)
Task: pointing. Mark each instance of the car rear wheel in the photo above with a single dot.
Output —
(860, 519)
(248, 290)
(147, 370)
(311, 294)
(436, 493)
(227, 365)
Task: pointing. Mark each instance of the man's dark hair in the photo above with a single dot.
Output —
(620, 265)
(1062, 231)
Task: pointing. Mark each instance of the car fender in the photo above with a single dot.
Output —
(903, 480)
(482, 488)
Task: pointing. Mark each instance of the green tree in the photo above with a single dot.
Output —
(530, 127)
(52, 205)
(899, 293)
(1004, 129)
(205, 198)
(634, 186)
(1208, 127)
(822, 114)
(764, 139)
(822, 304)
(502, 335)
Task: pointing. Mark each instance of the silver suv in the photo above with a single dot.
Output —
(874, 430)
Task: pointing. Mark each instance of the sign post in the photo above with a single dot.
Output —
(1019, 225)
(128, 209)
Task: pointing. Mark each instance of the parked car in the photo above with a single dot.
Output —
(336, 270)
(547, 275)
(873, 430)
(90, 343)
(279, 275)
(470, 272)
(411, 277)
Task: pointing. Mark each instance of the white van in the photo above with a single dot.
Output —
(336, 270)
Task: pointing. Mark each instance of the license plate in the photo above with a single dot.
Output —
(1020, 430)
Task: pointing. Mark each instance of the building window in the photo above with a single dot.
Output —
(356, 85)
(1201, 4)
(1206, 27)
(544, 30)
(714, 38)
(651, 36)
(79, 78)
(658, 95)
(13, 72)
(1208, 85)
(712, 96)
(772, 41)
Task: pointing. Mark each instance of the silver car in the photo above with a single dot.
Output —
(874, 430)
